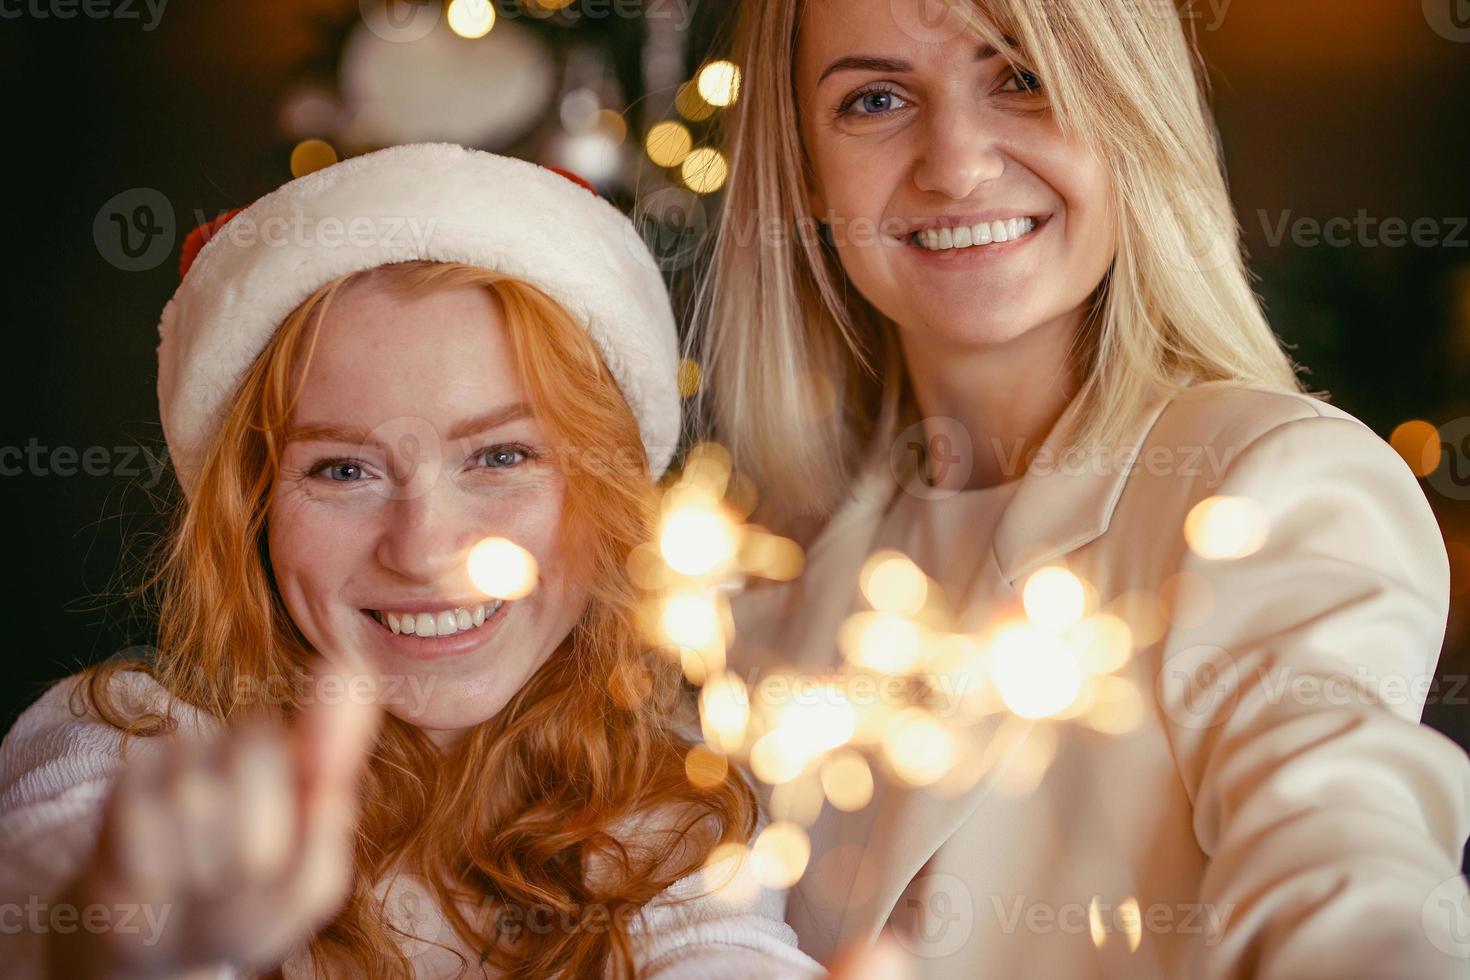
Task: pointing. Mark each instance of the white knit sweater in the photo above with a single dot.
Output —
(55, 773)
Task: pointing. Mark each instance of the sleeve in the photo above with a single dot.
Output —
(719, 924)
(56, 770)
(1333, 822)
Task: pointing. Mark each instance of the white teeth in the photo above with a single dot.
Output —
(444, 623)
(943, 239)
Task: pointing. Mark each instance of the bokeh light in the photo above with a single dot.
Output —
(502, 569)
(1225, 528)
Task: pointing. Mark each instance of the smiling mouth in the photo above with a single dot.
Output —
(980, 235)
(446, 622)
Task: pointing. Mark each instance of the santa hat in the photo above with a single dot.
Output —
(245, 272)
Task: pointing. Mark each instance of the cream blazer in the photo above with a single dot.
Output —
(1280, 811)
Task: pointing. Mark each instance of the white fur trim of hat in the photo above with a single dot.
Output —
(430, 201)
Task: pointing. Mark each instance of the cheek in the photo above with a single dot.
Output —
(312, 555)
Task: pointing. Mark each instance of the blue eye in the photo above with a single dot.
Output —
(503, 457)
(872, 102)
(339, 470)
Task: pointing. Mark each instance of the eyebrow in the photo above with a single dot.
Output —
(316, 432)
(868, 62)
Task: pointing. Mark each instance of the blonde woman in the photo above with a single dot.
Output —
(978, 296)
(375, 769)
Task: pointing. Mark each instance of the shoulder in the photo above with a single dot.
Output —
(1210, 434)
(1232, 414)
(1319, 479)
(61, 750)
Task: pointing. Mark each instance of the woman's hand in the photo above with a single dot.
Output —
(240, 849)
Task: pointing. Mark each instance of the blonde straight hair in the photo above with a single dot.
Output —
(805, 379)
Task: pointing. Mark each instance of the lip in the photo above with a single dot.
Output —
(433, 605)
(439, 647)
(970, 258)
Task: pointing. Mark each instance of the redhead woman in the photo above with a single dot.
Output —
(978, 298)
(347, 755)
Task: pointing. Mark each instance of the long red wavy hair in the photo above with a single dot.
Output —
(516, 814)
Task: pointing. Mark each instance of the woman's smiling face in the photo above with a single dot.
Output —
(911, 140)
(411, 441)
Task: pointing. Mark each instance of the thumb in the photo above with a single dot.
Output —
(334, 739)
(337, 729)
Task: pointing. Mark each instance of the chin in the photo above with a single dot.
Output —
(970, 326)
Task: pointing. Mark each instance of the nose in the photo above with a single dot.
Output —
(959, 153)
(426, 540)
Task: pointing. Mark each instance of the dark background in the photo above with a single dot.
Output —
(1328, 108)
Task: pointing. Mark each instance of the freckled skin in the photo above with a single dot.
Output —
(394, 529)
(959, 136)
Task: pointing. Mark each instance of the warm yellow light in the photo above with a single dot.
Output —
(1095, 923)
(880, 641)
(780, 755)
(668, 143)
(704, 170)
(847, 780)
(611, 122)
(729, 871)
(1054, 598)
(780, 854)
(690, 619)
(1116, 707)
(697, 540)
(706, 473)
(1036, 674)
(821, 721)
(1418, 443)
(771, 556)
(471, 18)
(918, 747)
(691, 376)
(691, 104)
(705, 769)
(724, 711)
(310, 156)
(1225, 528)
(1132, 922)
(894, 584)
(719, 83)
(1102, 642)
(502, 569)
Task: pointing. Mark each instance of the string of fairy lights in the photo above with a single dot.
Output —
(965, 698)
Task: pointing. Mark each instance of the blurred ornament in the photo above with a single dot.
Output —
(441, 87)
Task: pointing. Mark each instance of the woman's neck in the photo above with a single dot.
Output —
(1005, 396)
